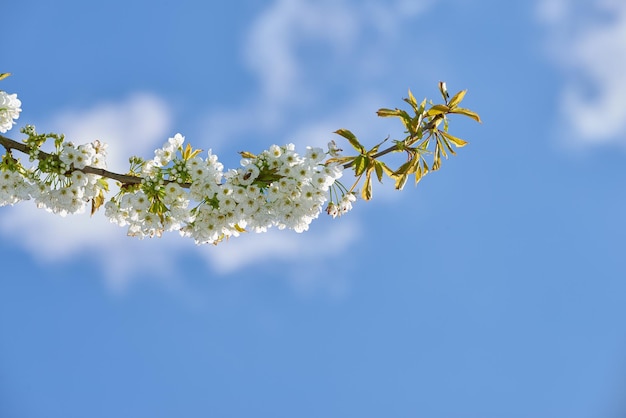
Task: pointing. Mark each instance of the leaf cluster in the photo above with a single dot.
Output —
(426, 141)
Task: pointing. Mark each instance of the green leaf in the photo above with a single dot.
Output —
(466, 112)
(388, 113)
(244, 154)
(379, 171)
(420, 110)
(190, 153)
(457, 98)
(401, 181)
(340, 160)
(437, 110)
(437, 158)
(419, 174)
(444, 90)
(386, 169)
(366, 192)
(458, 142)
(442, 148)
(406, 168)
(447, 146)
(352, 139)
(411, 100)
(360, 164)
(96, 202)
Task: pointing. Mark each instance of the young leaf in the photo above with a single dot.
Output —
(454, 101)
(360, 164)
(386, 170)
(246, 154)
(444, 90)
(352, 139)
(4, 75)
(388, 113)
(366, 192)
(340, 160)
(379, 171)
(437, 158)
(401, 181)
(456, 141)
(411, 100)
(419, 174)
(406, 168)
(96, 202)
(466, 112)
(437, 110)
(189, 152)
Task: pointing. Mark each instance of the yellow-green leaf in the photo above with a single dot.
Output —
(360, 164)
(405, 168)
(411, 100)
(246, 154)
(444, 90)
(419, 174)
(456, 141)
(441, 143)
(437, 158)
(457, 98)
(339, 160)
(189, 152)
(4, 75)
(352, 139)
(387, 113)
(466, 112)
(366, 192)
(379, 171)
(401, 181)
(96, 202)
(437, 110)
(386, 169)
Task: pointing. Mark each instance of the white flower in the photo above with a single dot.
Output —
(332, 209)
(177, 141)
(10, 108)
(345, 204)
(333, 150)
(13, 188)
(69, 154)
(248, 174)
(275, 151)
(314, 155)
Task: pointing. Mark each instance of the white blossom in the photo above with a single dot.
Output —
(10, 108)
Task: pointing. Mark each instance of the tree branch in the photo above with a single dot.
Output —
(10, 144)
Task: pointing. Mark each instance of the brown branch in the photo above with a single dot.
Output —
(10, 144)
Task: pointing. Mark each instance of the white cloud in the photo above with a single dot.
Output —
(273, 52)
(587, 40)
(136, 126)
(133, 126)
(276, 245)
(142, 122)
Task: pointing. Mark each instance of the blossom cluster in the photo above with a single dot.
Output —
(278, 188)
(57, 183)
(10, 108)
(178, 189)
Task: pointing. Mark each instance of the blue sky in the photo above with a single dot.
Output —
(496, 288)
